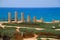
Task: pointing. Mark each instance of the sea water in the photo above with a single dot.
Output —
(46, 13)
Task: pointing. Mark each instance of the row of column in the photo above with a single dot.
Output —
(16, 17)
(22, 18)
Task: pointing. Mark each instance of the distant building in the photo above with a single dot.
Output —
(55, 21)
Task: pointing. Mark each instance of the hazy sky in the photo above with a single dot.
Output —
(29, 3)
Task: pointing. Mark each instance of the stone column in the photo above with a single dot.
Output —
(34, 19)
(28, 18)
(16, 16)
(22, 17)
(9, 17)
(41, 20)
(53, 21)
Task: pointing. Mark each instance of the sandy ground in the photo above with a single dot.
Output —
(24, 27)
(57, 29)
(41, 39)
(29, 39)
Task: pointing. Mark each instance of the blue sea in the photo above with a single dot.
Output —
(47, 13)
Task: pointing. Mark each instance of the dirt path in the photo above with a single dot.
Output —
(25, 27)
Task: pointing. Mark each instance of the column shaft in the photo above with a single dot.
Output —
(34, 19)
(28, 18)
(16, 17)
(9, 17)
(22, 17)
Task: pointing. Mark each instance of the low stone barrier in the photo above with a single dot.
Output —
(49, 39)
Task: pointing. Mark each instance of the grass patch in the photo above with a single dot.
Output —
(35, 25)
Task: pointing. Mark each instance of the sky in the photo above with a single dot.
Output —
(29, 3)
